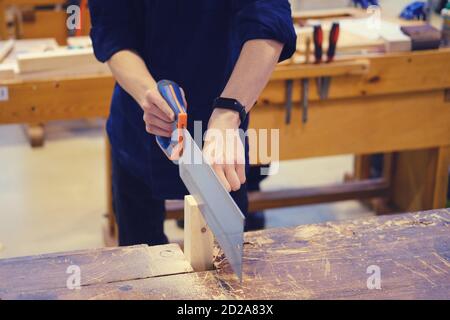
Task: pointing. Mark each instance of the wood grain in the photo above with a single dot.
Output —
(48, 272)
(326, 261)
(198, 238)
(395, 122)
(388, 74)
(58, 99)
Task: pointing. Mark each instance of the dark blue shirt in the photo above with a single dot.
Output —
(193, 42)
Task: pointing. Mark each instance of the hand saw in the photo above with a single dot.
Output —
(219, 210)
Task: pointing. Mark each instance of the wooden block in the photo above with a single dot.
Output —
(198, 238)
(388, 32)
(7, 71)
(79, 42)
(395, 39)
(61, 59)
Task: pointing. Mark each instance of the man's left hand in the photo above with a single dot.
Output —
(224, 150)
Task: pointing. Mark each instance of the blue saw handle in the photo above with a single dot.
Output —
(171, 92)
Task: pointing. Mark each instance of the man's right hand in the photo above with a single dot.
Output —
(158, 116)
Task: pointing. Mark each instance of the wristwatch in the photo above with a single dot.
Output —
(231, 104)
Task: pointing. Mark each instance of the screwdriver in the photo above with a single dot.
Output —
(318, 52)
(333, 40)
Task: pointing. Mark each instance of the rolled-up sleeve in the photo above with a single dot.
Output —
(265, 19)
(115, 27)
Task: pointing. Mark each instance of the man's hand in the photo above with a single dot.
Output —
(224, 150)
(158, 116)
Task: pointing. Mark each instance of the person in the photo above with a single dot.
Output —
(225, 49)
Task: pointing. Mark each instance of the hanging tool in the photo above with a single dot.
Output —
(289, 88)
(221, 213)
(305, 100)
(318, 52)
(305, 84)
(333, 40)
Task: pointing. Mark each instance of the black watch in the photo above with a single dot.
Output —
(231, 104)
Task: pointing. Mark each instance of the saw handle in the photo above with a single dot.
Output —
(171, 92)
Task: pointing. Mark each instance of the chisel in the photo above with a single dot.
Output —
(334, 37)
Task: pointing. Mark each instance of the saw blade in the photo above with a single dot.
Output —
(219, 210)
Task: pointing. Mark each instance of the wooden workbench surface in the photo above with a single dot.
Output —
(323, 261)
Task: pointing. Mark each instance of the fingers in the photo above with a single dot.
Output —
(219, 170)
(156, 118)
(154, 98)
(228, 176)
(152, 109)
(240, 171)
(227, 160)
(158, 131)
(232, 177)
(153, 113)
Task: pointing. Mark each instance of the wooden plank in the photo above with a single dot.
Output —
(327, 14)
(60, 59)
(80, 42)
(325, 261)
(375, 124)
(43, 101)
(388, 74)
(198, 238)
(262, 200)
(7, 71)
(107, 265)
(338, 68)
(367, 189)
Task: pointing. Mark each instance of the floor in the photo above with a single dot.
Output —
(53, 198)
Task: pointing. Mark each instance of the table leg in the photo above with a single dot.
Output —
(36, 134)
(420, 179)
(110, 229)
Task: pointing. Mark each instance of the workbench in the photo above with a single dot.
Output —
(409, 252)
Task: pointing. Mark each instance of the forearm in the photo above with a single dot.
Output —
(256, 63)
(132, 74)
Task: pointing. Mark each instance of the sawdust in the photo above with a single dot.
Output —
(290, 251)
(309, 232)
(261, 241)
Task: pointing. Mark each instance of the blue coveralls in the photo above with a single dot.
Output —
(195, 43)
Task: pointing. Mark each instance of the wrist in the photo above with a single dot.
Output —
(226, 115)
